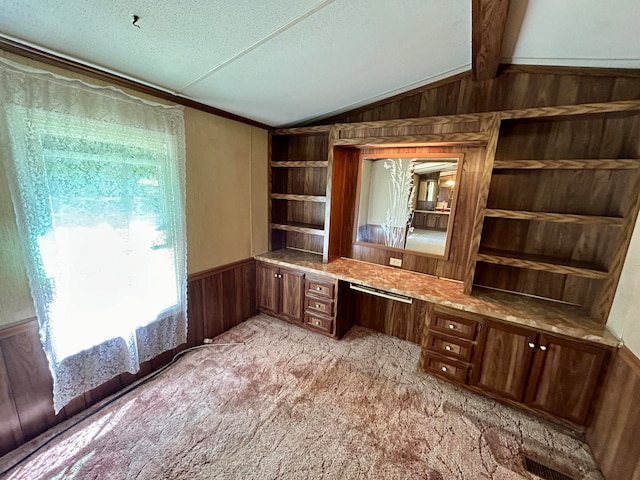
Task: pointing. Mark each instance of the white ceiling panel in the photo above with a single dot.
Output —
(350, 53)
(593, 33)
(178, 40)
(283, 62)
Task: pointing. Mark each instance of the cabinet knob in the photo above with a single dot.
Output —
(543, 348)
(452, 326)
(317, 305)
(444, 369)
(318, 288)
(275, 275)
(447, 347)
(532, 345)
(317, 323)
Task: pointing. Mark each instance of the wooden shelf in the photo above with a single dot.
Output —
(578, 164)
(300, 228)
(539, 262)
(299, 198)
(554, 217)
(300, 164)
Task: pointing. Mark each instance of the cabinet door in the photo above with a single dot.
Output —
(268, 288)
(564, 377)
(502, 360)
(292, 284)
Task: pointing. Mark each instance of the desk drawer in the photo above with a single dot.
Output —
(315, 305)
(451, 325)
(319, 322)
(448, 346)
(447, 368)
(319, 288)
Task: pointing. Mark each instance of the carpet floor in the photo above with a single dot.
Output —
(286, 403)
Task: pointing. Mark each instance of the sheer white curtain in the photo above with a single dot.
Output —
(97, 180)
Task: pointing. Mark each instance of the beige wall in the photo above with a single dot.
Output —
(624, 319)
(226, 190)
(227, 201)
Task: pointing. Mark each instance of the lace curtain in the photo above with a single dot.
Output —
(97, 180)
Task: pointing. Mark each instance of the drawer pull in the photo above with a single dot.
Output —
(444, 369)
(318, 288)
(543, 348)
(452, 326)
(532, 345)
(447, 347)
(317, 305)
(318, 323)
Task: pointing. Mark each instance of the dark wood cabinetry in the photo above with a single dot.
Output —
(309, 300)
(319, 304)
(448, 345)
(502, 360)
(280, 291)
(564, 377)
(544, 372)
(299, 175)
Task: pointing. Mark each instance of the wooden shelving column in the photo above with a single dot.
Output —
(298, 188)
(558, 227)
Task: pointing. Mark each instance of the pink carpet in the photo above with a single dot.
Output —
(292, 404)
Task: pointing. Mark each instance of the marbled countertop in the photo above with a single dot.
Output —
(543, 315)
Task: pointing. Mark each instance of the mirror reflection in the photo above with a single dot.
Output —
(406, 203)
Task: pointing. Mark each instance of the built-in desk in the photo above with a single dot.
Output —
(543, 315)
(547, 357)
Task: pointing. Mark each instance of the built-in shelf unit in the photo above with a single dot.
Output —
(299, 171)
(562, 202)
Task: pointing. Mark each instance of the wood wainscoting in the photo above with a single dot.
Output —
(218, 300)
(613, 435)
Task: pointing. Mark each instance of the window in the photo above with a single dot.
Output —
(97, 183)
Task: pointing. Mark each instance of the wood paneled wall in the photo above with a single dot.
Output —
(613, 436)
(218, 300)
(516, 86)
(402, 320)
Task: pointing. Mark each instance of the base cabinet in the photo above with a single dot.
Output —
(523, 366)
(280, 291)
(310, 300)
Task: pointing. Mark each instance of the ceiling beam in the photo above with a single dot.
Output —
(488, 19)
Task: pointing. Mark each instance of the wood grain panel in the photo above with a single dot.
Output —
(10, 431)
(564, 377)
(538, 262)
(517, 87)
(488, 20)
(346, 195)
(300, 164)
(449, 138)
(501, 366)
(477, 220)
(613, 435)
(592, 244)
(593, 164)
(553, 217)
(292, 285)
(218, 300)
(31, 382)
(388, 316)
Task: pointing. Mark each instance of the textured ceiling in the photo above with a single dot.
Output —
(283, 62)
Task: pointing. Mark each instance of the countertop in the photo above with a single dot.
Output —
(544, 315)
